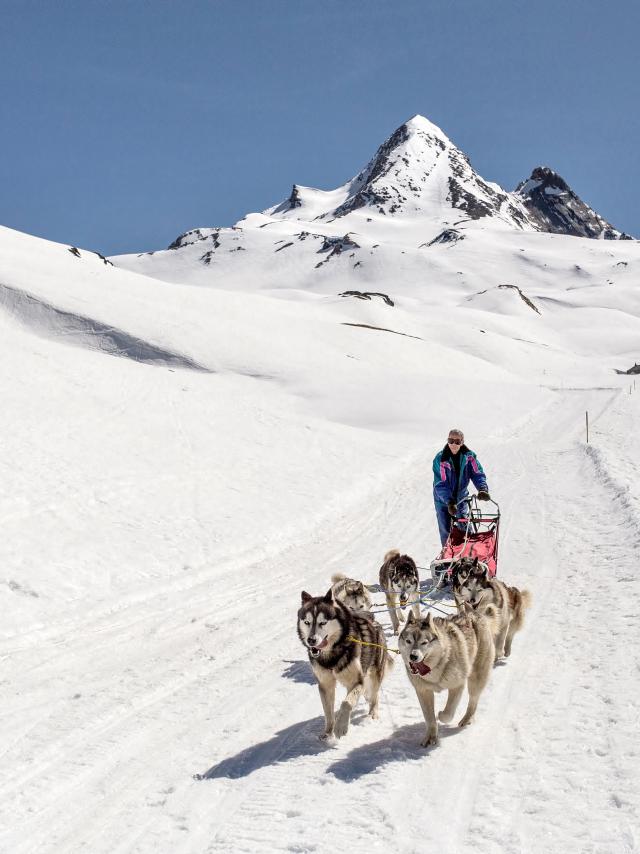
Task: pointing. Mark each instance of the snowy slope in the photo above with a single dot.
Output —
(187, 445)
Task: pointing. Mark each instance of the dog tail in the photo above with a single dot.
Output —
(526, 599)
(338, 576)
(390, 554)
(492, 615)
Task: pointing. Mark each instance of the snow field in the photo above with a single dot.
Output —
(182, 457)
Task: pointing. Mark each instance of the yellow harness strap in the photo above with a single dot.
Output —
(368, 643)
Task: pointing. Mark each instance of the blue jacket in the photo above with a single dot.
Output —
(445, 488)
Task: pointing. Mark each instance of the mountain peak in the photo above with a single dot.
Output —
(420, 123)
(419, 173)
(553, 206)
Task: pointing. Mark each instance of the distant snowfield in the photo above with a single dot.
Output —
(186, 446)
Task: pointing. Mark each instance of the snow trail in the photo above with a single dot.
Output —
(113, 717)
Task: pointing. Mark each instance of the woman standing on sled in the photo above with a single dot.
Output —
(453, 467)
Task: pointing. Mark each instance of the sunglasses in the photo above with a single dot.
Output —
(454, 441)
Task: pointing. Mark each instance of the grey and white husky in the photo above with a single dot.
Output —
(354, 594)
(471, 584)
(401, 584)
(336, 640)
(448, 654)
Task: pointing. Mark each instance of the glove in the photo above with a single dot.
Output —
(483, 495)
(453, 510)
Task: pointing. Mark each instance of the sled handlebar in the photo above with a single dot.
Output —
(473, 499)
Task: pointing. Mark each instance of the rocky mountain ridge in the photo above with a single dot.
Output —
(418, 171)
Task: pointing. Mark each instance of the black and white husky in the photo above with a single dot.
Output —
(337, 641)
(401, 584)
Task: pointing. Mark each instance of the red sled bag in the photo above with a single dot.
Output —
(474, 533)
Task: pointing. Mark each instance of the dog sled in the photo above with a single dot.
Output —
(474, 533)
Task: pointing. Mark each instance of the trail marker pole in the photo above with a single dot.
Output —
(587, 419)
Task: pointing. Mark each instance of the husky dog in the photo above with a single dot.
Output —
(471, 584)
(399, 580)
(351, 593)
(325, 627)
(447, 654)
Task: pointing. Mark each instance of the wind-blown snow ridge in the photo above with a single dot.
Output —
(80, 331)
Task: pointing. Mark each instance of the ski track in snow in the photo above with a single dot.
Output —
(109, 719)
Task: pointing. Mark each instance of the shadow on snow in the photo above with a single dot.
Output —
(403, 745)
(300, 739)
(299, 671)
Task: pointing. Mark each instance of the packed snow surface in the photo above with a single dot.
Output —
(187, 446)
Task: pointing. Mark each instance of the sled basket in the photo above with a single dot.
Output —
(473, 534)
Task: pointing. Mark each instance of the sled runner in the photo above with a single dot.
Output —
(473, 534)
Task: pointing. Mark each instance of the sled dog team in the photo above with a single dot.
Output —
(346, 645)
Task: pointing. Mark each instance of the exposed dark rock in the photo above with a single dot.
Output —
(522, 296)
(449, 235)
(466, 201)
(195, 236)
(368, 295)
(294, 199)
(634, 370)
(337, 245)
(382, 329)
(106, 260)
(280, 248)
(554, 207)
(75, 251)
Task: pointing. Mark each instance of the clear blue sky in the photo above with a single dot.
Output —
(124, 124)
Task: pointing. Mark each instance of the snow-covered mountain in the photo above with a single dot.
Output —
(417, 172)
(419, 191)
(193, 436)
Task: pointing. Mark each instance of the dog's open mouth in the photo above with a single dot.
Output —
(419, 668)
(316, 650)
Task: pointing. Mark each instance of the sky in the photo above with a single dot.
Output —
(124, 124)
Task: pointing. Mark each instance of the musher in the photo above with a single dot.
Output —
(453, 467)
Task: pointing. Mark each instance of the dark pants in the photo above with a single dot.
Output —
(444, 521)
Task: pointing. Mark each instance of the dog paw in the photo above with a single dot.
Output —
(341, 727)
(430, 740)
(465, 721)
(327, 738)
(445, 717)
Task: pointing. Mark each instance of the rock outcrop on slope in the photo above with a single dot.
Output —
(552, 206)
